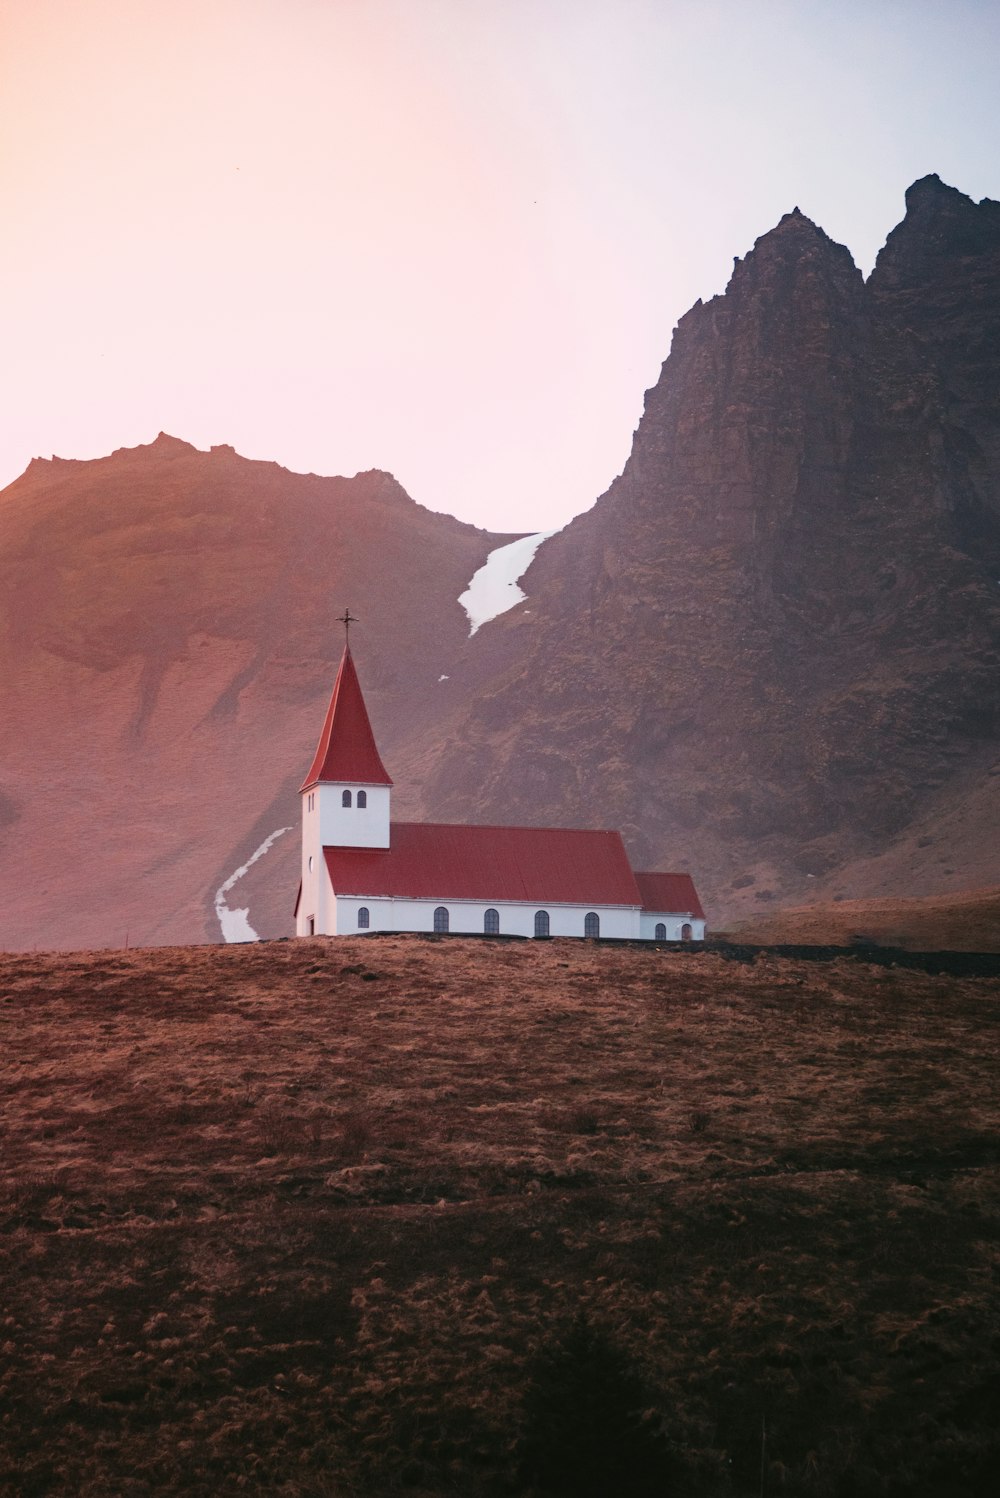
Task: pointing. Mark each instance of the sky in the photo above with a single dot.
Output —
(447, 238)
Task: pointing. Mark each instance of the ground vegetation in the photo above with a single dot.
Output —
(358, 1217)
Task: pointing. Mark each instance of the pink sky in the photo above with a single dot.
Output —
(449, 238)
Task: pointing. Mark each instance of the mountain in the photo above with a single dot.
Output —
(167, 645)
(769, 652)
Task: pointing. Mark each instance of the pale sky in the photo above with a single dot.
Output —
(448, 238)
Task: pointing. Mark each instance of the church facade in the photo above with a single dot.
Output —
(361, 871)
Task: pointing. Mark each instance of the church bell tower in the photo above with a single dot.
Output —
(345, 795)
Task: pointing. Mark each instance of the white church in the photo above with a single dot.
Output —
(363, 872)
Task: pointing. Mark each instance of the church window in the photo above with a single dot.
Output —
(362, 800)
(661, 931)
(491, 923)
(310, 863)
(541, 923)
(592, 924)
(686, 932)
(441, 918)
(363, 917)
(312, 925)
(345, 799)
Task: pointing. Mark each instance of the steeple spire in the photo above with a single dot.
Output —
(346, 750)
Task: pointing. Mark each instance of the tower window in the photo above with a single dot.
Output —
(541, 923)
(345, 799)
(362, 800)
(661, 931)
(441, 918)
(310, 863)
(491, 923)
(592, 924)
(364, 920)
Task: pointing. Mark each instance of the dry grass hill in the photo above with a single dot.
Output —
(359, 1217)
(968, 922)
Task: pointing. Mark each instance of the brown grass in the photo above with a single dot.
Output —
(965, 922)
(297, 1218)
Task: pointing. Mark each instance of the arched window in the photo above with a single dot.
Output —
(345, 799)
(686, 931)
(441, 918)
(362, 800)
(661, 931)
(364, 920)
(592, 924)
(491, 923)
(541, 923)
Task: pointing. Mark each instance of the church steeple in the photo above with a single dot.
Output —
(346, 752)
(346, 797)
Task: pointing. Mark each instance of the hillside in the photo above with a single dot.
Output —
(968, 922)
(167, 648)
(318, 1217)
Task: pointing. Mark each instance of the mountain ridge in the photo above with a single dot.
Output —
(768, 653)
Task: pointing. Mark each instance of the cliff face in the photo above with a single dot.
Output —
(771, 647)
(167, 648)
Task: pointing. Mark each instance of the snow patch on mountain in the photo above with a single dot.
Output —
(235, 924)
(493, 589)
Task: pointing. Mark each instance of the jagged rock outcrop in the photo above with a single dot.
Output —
(774, 640)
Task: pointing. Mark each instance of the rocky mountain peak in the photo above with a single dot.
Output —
(942, 225)
(930, 190)
(796, 237)
(165, 446)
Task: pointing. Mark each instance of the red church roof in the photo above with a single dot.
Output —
(543, 865)
(346, 748)
(670, 894)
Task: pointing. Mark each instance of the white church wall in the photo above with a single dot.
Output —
(352, 826)
(309, 901)
(649, 920)
(468, 916)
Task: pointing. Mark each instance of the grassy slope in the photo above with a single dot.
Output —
(964, 922)
(295, 1218)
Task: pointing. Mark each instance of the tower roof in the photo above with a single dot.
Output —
(346, 750)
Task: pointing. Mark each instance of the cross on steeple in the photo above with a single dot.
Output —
(347, 619)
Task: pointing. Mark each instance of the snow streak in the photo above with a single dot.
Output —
(493, 589)
(234, 923)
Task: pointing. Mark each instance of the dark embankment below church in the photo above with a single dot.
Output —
(351, 1217)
